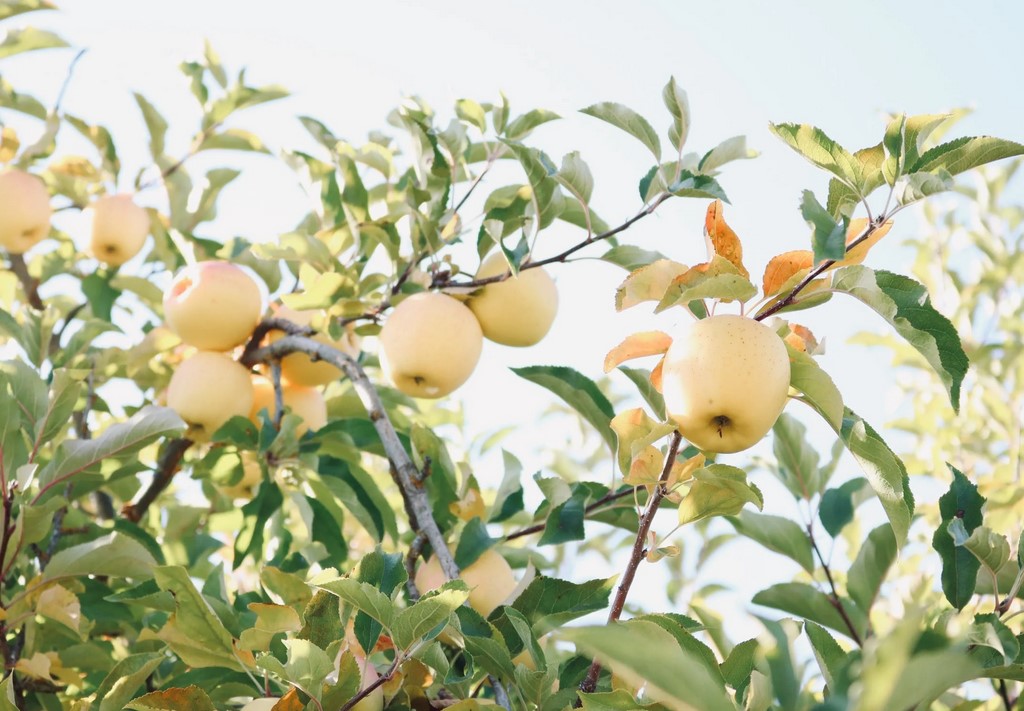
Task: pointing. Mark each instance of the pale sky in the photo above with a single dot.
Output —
(838, 66)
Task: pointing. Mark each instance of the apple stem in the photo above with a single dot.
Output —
(639, 550)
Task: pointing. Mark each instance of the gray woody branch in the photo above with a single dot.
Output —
(405, 472)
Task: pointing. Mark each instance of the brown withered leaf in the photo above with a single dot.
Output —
(637, 345)
(723, 239)
(858, 253)
(648, 283)
(782, 267)
(656, 375)
(801, 338)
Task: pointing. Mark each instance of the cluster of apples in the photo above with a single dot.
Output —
(119, 227)
(214, 307)
(431, 343)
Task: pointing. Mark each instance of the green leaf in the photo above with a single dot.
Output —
(740, 663)
(522, 126)
(873, 562)
(307, 666)
(959, 566)
(905, 304)
(364, 597)
(156, 124)
(730, 149)
(472, 113)
(776, 534)
(989, 547)
(575, 175)
(718, 490)
(884, 471)
(113, 555)
(565, 519)
(125, 678)
(194, 632)
(827, 651)
(578, 391)
(679, 106)
(271, 620)
(618, 700)
(811, 604)
(918, 186)
(785, 685)
(100, 294)
(583, 217)
(191, 697)
(966, 153)
(678, 680)
(412, 624)
(837, 505)
(540, 171)
(549, 603)
(630, 257)
(829, 237)
(472, 543)
(818, 148)
(629, 121)
(234, 139)
(10, 8)
(798, 464)
(641, 378)
(28, 39)
(509, 499)
(817, 386)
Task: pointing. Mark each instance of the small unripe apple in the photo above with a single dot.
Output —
(213, 306)
(518, 311)
(252, 475)
(24, 210)
(307, 403)
(299, 368)
(119, 228)
(208, 389)
(430, 345)
(725, 382)
(264, 703)
(489, 578)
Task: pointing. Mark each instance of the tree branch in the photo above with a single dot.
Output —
(599, 504)
(169, 465)
(29, 284)
(639, 549)
(404, 471)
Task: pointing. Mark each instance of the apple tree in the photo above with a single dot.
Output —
(228, 472)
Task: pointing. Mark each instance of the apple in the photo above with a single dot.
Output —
(252, 475)
(725, 380)
(299, 368)
(374, 701)
(489, 578)
(430, 345)
(518, 311)
(119, 228)
(24, 210)
(208, 389)
(213, 305)
(305, 402)
(264, 703)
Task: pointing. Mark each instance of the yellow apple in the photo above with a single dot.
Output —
(489, 578)
(518, 311)
(725, 382)
(213, 306)
(24, 210)
(252, 475)
(299, 368)
(307, 403)
(207, 389)
(119, 228)
(264, 703)
(430, 345)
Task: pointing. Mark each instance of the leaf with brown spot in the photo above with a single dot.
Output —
(801, 339)
(647, 283)
(783, 267)
(190, 698)
(857, 254)
(723, 239)
(718, 279)
(637, 345)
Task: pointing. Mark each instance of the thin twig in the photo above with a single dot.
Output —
(834, 599)
(599, 504)
(67, 81)
(639, 550)
(168, 466)
(1004, 694)
(379, 682)
(404, 470)
(415, 551)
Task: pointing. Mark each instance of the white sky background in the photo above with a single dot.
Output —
(743, 64)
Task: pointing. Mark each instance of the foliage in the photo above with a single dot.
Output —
(141, 569)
